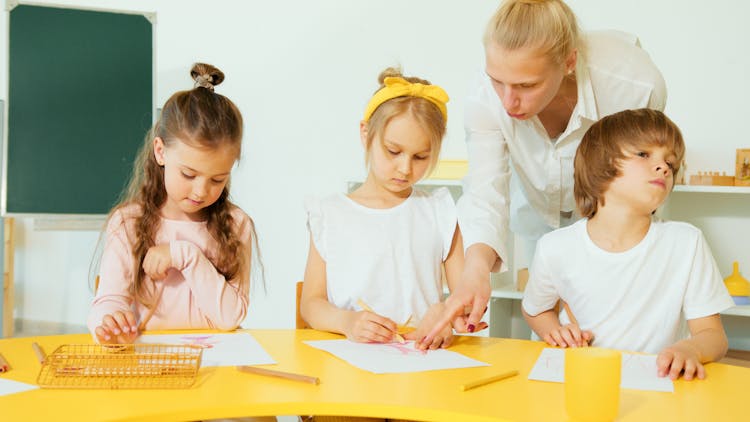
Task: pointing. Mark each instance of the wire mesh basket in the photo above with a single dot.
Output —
(121, 366)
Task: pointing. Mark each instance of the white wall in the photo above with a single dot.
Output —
(301, 71)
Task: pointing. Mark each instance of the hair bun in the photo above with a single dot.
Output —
(206, 75)
(396, 72)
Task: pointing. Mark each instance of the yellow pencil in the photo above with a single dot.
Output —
(279, 374)
(490, 379)
(364, 306)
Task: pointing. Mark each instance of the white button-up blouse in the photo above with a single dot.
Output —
(613, 74)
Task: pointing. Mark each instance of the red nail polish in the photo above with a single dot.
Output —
(471, 328)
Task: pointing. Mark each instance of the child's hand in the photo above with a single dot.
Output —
(443, 338)
(569, 335)
(119, 327)
(680, 357)
(157, 262)
(369, 327)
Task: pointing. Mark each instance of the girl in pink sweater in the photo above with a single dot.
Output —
(177, 251)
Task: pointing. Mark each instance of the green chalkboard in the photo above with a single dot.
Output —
(79, 104)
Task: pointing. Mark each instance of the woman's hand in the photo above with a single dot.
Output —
(117, 328)
(444, 338)
(473, 291)
(461, 324)
(157, 262)
(369, 327)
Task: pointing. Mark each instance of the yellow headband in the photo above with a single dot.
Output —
(400, 87)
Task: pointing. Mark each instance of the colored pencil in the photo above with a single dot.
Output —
(4, 365)
(279, 374)
(367, 308)
(150, 313)
(572, 318)
(488, 380)
(39, 352)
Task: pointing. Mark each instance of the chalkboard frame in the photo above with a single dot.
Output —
(147, 94)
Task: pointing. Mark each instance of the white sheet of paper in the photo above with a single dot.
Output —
(219, 349)
(394, 357)
(638, 372)
(10, 387)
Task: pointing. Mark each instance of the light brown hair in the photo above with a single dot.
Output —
(427, 115)
(603, 147)
(548, 25)
(204, 119)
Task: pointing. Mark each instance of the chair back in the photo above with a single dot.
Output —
(300, 321)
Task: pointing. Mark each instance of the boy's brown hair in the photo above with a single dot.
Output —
(603, 147)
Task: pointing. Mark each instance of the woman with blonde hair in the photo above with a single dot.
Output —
(545, 83)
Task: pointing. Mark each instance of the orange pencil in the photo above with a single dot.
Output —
(4, 366)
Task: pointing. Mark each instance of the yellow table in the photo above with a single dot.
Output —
(346, 390)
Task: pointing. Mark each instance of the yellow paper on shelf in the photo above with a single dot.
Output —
(450, 169)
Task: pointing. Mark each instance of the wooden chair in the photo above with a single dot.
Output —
(300, 321)
(737, 357)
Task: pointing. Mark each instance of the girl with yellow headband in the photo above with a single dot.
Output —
(377, 254)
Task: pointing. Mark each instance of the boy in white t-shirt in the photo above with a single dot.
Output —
(626, 279)
(377, 255)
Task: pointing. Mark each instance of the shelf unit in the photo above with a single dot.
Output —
(712, 189)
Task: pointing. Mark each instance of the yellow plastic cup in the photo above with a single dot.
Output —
(592, 384)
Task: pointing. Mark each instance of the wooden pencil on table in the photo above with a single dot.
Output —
(279, 374)
(4, 365)
(39, 352)
(487, 380)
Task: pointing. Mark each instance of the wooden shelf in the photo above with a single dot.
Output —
(739, 310)
(712, 189)
(506, 291)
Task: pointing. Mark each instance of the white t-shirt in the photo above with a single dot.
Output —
(390, 258)
(633, 300)
(616, 75)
